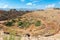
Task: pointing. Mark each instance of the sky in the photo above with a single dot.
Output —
(38, 4)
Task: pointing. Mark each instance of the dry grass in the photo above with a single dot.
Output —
(50, 19)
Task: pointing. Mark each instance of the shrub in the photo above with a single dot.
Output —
(20, 23)
(38, 23)
(19, 19)
(13, 20)
(26, 24)
(23, 24)
(9, 23)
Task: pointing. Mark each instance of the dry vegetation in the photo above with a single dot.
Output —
(44, 23)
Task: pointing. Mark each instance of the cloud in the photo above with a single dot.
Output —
(30, 4)
(3, 6)
(50, 6)
(22, 0)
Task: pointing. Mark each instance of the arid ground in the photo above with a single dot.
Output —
(36, 25)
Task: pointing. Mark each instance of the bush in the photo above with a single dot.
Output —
(38, 23)
(23, 24)
(13, 20)
(26, 24)
(9, 24)
(19, 19)
(20, 23)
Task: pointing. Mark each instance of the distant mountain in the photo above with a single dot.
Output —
(22, 9)
(4, 9)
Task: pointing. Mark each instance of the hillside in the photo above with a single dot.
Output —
(11, 14)
(50, 19)
(45, 23)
